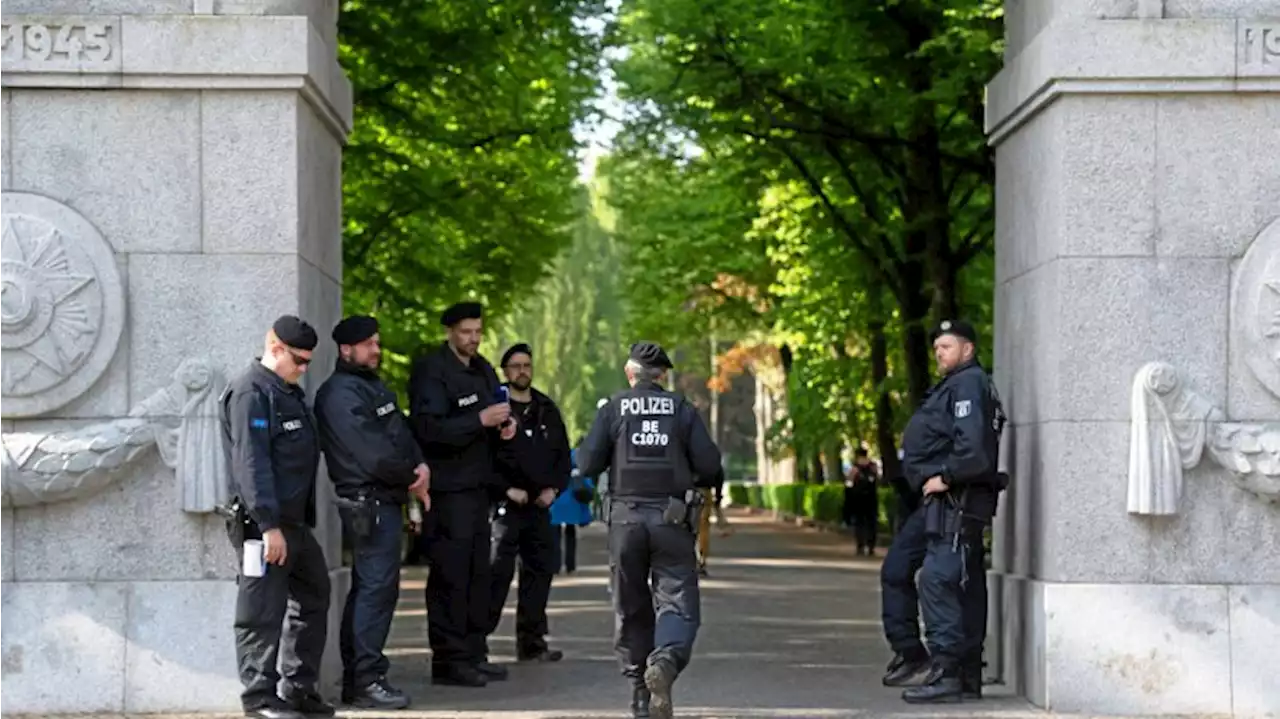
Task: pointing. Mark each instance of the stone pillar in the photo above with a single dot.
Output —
(172, 183)
(1137, 221)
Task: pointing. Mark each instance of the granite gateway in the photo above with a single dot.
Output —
(1137, 558)
(171, 176)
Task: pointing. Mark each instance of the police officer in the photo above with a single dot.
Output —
(950, 451)
(375, 465)
(459, 421)
(272, 452)
(660, 453)
(535, 468)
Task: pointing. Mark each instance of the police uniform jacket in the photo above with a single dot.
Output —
(272, 448)
(654, 443)
(953, 435)
(537, 458)
(445, 398)
(368, 446)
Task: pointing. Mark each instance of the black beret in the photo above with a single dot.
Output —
(959, 328)
(516, 349)
(461, 311)
(355, 329)
(295, 333)
(650, 354)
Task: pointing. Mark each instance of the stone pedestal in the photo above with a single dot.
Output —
(1138, 220)
(172, 183)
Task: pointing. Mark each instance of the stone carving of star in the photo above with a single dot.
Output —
(43, 318)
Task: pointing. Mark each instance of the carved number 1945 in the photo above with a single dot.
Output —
(72, 43)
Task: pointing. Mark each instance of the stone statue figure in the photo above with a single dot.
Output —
(1170, 428)
(180, 420)
(1167, 435)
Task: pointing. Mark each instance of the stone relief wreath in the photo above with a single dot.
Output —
(1171, 425)
(63, 314)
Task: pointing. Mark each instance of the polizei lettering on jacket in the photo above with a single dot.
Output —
(648, 406)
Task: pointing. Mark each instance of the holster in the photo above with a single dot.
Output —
(240, 526)
(693, 501)
(676, 511)
(943, 516)
(361, 514)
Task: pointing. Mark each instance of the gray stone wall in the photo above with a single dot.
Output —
(204, 152)
(1137, 147)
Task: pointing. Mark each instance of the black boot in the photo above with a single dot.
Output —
(492, 672)
(458, 675)
(941, 686)
(640, 703)
(307, 702)
(658, 678)
(906, 669)
(971, 680)
(379, 695)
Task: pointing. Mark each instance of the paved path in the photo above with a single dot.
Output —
(791, 628)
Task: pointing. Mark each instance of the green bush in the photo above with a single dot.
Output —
(820, 502)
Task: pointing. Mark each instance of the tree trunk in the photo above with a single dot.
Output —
(816, 462)
(884, 404)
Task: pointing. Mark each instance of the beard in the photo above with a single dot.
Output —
(522, 383)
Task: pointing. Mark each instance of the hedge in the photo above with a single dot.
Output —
(819, 502)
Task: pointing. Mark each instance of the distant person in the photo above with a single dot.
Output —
(459, 421)
(572, 509)
(661, 453)
(273, 451)
(862, 503)
(535, 468)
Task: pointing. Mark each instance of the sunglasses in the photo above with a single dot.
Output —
(299, 360)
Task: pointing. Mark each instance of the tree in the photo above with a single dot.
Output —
(874, 107)
(459, 179)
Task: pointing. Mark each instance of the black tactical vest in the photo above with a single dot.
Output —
(649, 458)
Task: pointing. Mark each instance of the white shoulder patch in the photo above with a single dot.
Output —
(963, 408)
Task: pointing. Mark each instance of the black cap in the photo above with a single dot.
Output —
(650, 354)
(461, 311)
(516, 349)
(355, 329)
(958, 328)
(295, 333)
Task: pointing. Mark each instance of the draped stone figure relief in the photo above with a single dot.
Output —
(1170, 430)
(180, 420)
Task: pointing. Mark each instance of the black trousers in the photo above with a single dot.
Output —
(523, 532)
(371, 603)
(953, 597)
(458, 585)
(661, 624)
(864, 529)
(564, 548)
(900, 601)
(296, 594)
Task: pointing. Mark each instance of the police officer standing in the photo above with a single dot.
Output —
(660, 452)
(459, 420)
(950, 450)
(273, 452)
(535, 467)
(375, 465)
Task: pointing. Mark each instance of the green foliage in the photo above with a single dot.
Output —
(573, 322)
(459, 179)
(819, 502)
(815, 174)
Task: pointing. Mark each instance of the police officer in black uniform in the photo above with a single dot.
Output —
(950, 450)
(376, 466)
(273, 451)
(660, 452)
(535, 468)
(459, 421)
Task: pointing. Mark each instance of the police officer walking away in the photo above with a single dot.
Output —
(535, 468)
(375, 465)
(273, 452)
(950, 450)
(459, 420)
(660, 453)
